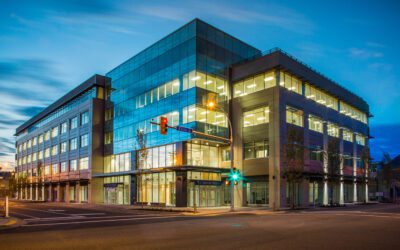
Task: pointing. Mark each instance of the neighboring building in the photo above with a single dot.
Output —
(264, 95)
(60, 149)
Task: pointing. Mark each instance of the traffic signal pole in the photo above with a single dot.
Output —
(164, 125)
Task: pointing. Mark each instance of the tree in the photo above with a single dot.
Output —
(141, 139)
(294, 161)
(334, 160)
(12, 185)
(386, 173)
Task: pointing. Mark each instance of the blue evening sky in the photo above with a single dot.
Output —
(48, 47)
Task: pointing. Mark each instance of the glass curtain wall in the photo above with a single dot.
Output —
(117, 190)
(157, 188)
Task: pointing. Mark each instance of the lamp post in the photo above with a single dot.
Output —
(213, 106)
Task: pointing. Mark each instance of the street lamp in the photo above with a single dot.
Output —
(213, 106)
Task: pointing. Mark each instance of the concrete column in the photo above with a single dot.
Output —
(306, 193)
(50, 191)
(77, 192)
(26, 193)
(43, 194)
(58, 199)
(89, 192)
(181, 188)
(20, 192)
(354, 168)
(31, 191)
(236, 118)
(37, 192)
(276, 134)
(66, 198)
(325, 164)
(366, 192)
(341, 149)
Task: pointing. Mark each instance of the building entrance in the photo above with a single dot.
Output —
(114, 194)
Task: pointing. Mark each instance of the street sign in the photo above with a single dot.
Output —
(207, 183)
(183, 129)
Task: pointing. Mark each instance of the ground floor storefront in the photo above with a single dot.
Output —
(74, 191)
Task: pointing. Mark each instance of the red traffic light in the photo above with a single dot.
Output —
(163, 125)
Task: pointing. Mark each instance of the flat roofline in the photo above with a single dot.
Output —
(195, 20)
(279, 59)
(95, 80)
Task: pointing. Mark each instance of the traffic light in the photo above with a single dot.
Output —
(163, 125)
(235, 176)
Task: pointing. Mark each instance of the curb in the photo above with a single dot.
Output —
(11, 223)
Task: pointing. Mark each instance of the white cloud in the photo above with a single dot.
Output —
(364, 53)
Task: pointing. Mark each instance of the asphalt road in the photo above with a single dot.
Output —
(48, 226)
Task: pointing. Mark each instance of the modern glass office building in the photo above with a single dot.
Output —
(130, 162)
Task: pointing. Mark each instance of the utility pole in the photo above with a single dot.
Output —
(6, 207)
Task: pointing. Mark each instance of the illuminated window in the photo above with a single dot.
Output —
(84, 118)
(84, 163)
(40, 140)
(158, 157)
(54, 150)
(163, 91)
(294, 116)
(73, 144)
(354, 113)
(360, 139)
(315, 124)
(201, 155)
(84, 140)
(63, 167)
(321, 97)
(47, 153)
(34, 141)
(347, 135)
(73, 123)
(108, 138)
(47, 135)
(256, 117)
(73, 166)
(254, 84)
(117, 163)
(196, 113)
(40, 155)
(63, 147)
(205, 81)
(258, 149)
(290, 82)
(333, 130)
(47, 170)
(64, 127)
(54, 132)
(55, 169)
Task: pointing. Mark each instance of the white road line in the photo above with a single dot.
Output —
(25, 215)
(99, 221)
(83, 217)
(90, 214)
(43, 211)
